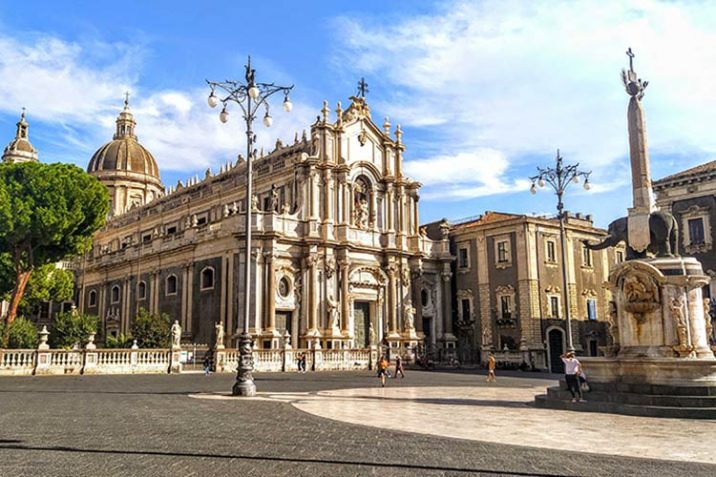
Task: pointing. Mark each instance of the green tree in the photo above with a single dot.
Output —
(22, 334)
(47, 213)
(151, 330)
(47, 283)
(72, 328)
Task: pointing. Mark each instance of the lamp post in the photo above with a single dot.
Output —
(251, 96)
(559, 178)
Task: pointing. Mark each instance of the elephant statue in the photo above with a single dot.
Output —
(663, 233)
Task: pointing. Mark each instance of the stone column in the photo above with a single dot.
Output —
(190, 298)
(392, 300)
(222, 304)
(345, 298)
(230, 327)
(390, 206)
(270, 291)
(447, 306)
(312, 289)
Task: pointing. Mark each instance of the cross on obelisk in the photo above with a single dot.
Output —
(362, 88)
(126, 100)
(642, 203)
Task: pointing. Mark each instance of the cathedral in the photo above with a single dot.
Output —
(338, 260)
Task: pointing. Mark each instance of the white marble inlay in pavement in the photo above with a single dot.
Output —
(502, 415)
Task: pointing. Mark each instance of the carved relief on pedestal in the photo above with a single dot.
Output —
(707, 319)
(641, 295)
(612, 329)
(684, 348)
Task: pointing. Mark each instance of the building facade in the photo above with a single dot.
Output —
(337, 259)
(509, 287)
(690, 196)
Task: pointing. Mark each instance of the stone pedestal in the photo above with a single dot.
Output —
(175, 365)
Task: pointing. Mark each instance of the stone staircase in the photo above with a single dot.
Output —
(693, 402)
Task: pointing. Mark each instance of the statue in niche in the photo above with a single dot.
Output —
(332, 314)
(361, 207)
(409, 317)
(254, 203)
(273, 203)
(372, 338)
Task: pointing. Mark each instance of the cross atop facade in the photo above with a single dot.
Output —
(631, 56)
(362, 88)
(126, 99)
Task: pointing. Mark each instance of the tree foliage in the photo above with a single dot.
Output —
(47, 283)
(22, 334)
(151, 330)
(72, 328)
(121, 341)
(47, 213)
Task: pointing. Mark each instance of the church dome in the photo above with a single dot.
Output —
(126, 168)
(20, 149)
(124, 156)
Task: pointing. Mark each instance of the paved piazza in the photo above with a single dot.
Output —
(328, 424)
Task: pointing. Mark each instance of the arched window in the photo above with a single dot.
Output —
(114, 296)
(92, 300)
(207, 278)
(171, 285)
(142, 291)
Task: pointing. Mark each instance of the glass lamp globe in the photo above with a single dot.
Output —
(224, 115)
(213, 100)
(254, 92)
(575, 179)
(587, 185)
(533, 189)
(287, 105)
(268, 120)
(540, 183)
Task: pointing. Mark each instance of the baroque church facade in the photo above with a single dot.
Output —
(338, 258)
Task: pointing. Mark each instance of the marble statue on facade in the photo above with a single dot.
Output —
(333, 316)
(373, 339)
(361, 213)
(273, 202)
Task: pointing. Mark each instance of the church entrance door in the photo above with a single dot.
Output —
(361, 323)
(555, 339)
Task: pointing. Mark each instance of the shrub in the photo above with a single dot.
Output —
(23, 334)
(72, 328)
(151, 330)
(121, 341)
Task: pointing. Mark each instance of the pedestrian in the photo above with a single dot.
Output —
(298, 361)
(399, 367)
(572, 370)
(208, 362)
(383, 369)
(303, 362)
(491, 369)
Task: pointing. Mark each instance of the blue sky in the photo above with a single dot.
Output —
(485, 92)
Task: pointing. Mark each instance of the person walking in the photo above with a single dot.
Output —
(383, 369)
(298, 361)
(572, 370)
(208, 362)
(399, 367)
(302, 362)
(491, 369)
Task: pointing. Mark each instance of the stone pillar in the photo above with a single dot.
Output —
(345, 298)
(270, 291)
(230, 327)
(222, 304)
(392, 301)
(447, 310)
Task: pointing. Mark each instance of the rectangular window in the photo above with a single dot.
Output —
(201, 220)
(696, 231)
(554, 306)
(465, 303)
(620, 256)
(551, 251)
(505, 307)
(586, 257)
(592, 309)
(502, 252)
(462, 258)
(146, 238)
(171, 230)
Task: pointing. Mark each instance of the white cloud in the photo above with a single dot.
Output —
(524, 78)
(68, 85)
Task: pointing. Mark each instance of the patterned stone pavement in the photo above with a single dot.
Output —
(150, 426)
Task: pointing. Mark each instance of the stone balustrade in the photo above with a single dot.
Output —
(27, 362)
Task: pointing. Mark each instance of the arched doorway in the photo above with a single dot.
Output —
(555, 344)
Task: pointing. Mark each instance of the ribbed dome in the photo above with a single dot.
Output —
(124, 154)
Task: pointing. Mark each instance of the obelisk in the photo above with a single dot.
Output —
(642, 204)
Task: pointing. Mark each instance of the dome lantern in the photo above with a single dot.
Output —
(20, 149)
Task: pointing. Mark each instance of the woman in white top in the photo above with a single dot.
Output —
(572, 370)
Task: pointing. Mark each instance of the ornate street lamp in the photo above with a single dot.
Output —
(559, 178)
(250, 96)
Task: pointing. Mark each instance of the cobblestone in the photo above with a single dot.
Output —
(148, 426)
